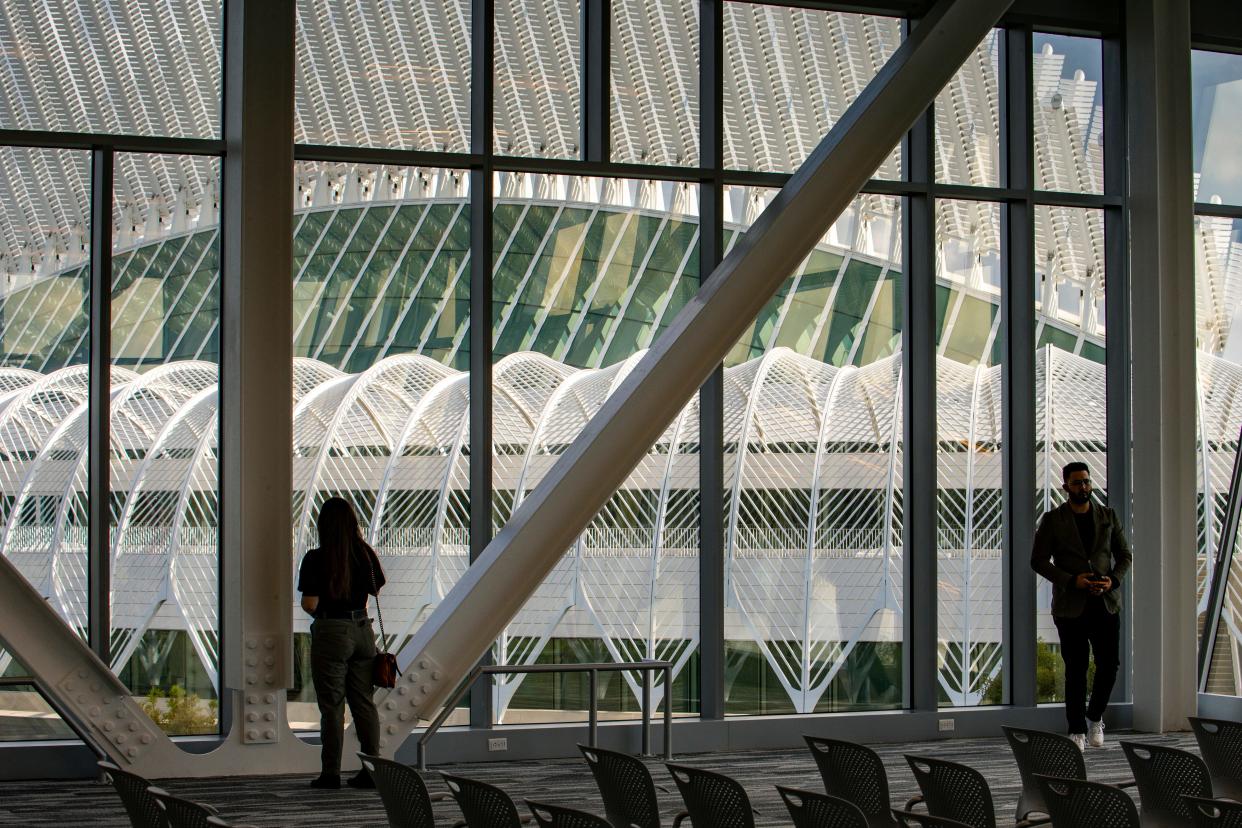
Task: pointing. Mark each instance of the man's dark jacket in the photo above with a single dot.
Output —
(1058, 556)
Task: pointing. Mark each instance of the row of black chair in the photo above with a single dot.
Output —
(152, 807)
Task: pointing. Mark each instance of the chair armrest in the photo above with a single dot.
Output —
(439, 796)
(680, 816)
(1128, 784)
(912, 801)
(1026, 823)
(660, 787)
(901, 817)
(211, 809)
(525, 819)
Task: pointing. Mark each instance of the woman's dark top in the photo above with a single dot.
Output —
(313, 580)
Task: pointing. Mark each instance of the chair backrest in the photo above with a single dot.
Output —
(854, 773)
(1077, 803)
(954, 791)
(217, 822)
(911, 818)
(181, 813)
(808, 809)
(556, 816)
(143, 810)
(402, 791)
(712, 798)
(626, 787)
(1215, 813)
(1220, 743)
(1163, 776)
(1038, 752)
(483, 805)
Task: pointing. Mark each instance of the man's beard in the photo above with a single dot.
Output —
(1079, 498)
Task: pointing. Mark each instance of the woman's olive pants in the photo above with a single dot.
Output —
(341, 656)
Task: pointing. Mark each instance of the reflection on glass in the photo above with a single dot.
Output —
(789, 76)
(1070, 386)
(586, 276)
(537, 97)
(44, 296)
(25, 716)
(1218, 254)
(392, 75)
(813, 475)
(968, 119)
(655, 82)
(380, 404)
(1216, 97)
(1069, 114)
(968, 455)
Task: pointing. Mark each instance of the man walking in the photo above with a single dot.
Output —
(1080, 548)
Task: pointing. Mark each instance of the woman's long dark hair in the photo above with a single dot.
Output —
(340, 538)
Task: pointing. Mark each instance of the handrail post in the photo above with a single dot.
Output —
(593, 721)
(646, 737)
(668, 712)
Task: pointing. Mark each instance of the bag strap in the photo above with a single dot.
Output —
(375, 591)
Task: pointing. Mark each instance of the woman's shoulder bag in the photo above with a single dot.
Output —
(384, 670)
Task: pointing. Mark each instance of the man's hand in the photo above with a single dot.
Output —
(1085, 580)
(1092, 583)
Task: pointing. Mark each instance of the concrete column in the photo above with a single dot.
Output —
(1162, 311)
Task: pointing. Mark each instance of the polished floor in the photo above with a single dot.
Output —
(286, 800)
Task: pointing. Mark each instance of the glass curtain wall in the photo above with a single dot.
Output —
(380, 398)
(813, 471)
(1217, 112)
(44, 319)
(588, 272)
(164, 462)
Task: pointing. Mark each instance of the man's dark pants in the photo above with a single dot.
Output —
(1096, 630)
(342, 652)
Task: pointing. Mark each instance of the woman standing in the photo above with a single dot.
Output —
(335, 580)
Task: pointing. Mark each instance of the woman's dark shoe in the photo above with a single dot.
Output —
(326, 782)
(362, 779)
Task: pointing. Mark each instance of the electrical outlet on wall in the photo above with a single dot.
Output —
(947, 725)
(498, 744)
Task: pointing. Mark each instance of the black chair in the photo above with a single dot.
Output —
(1077, 803)
(955, 791)
(856, 774)
(909, 819)
(182, 813)
(712, 799)
(143, 809)
(403, 793)
(808, 809)
(1165, 775)
(1040, 753)
(217, 822)
(483, 805)
(555, 816)
(1220, 743)
(626, 786)
(1215, 813)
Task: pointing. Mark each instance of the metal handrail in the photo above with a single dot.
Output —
(594, 669)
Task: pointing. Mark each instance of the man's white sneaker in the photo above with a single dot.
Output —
(1095, 733)
(1079, 740)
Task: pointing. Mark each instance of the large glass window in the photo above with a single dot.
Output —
(969, 538)
(538, 101)
(587, 274)
(813, 470)
(1217, 101)
(142, 67)
(655, 82)
(380, 402)
(789, 76)
(968, 119)
(44, 298)
(1069, 114)
(393, 75)
(1071, 401)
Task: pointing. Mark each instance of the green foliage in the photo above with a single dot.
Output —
(1049, 677)
(179, 713)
